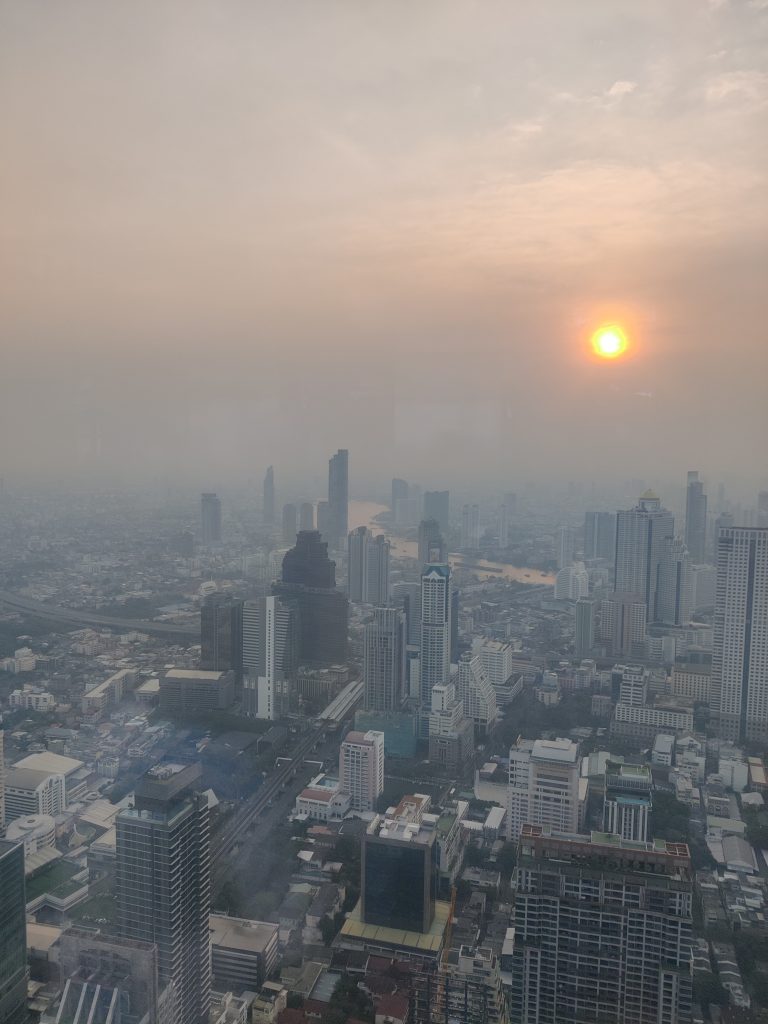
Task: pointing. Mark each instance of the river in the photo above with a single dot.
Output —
(364, 513)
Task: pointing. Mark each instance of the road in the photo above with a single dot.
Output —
(82, 617)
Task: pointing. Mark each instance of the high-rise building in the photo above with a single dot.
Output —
(210, 518)
(584, 629)
(270, 656)
(600, 535)
(437, 507)
(399, 491)
(13, 934)
(498, 659)
(384, 649)
(762, 509)
(470, 527)
(740, 644)
(435, 657)
(505, 515)
(338, 496)
(323, 519)
(309, 582)
(163, 882)
(221, 619)
(475, 690)
(289, 523)
(399, 876)
(432, 547)
(368, 567)
(623, 623)
(695, 518)
(469, 989)
(268, 497)
(674, 593)
(602, 930)
(361, 769)
(2, 787)
(571, 582)
(451, 733)
(408, 594)
(306, 516)
(627, 800)
(641, 533)
(543, 785)
(566, 547)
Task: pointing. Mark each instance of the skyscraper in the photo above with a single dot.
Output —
(504, 518)
(432, 547)
(361, 768)
(399, 491)
(368, 567)
(307, 562)
(13, 934)
(740, 645)
(627, 800)
(2, 787)
(602, 930)
(641, 533)
(543, 785)
(435, 658)
(470, 527)
(270, 656)
(268, 501)
(572, 582)
(163, 882)
(338, 496)
(210, 518)
(584, 630)
(221, 634)
(623, 622)
(695, 518)
(674, 594)
(289, 523)
(566, 547)
(600, 535)
(306, 516)
(384, 660)
(437, 506)
(476, 692)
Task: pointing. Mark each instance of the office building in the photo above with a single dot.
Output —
(584, 629)
(432, 546)
(470, 527)
(566, 547)
(195, 691)
(641, 535)
(163, 882)
(571, 582)
(399, 491)
(627, 801)
(543, 785)
(30, 792)
(271, 644)
(740, 645)
(268, 497)
(399, 877)
(674, 594)
(696, 518)
(306, 516)
(451, 733)
(498, 658)
(436, 506)
(476, 692)
(309, 583)
(210, 518)
(361, 769)
(599, 535)
(338, 497)
(602, 930)
(435, 646)
(221, 624)
(691, 681)
(384, 660)
(623, 624)
(408, 595)
(289, 521)
(368, 567)
(13, 934)
(243, 952)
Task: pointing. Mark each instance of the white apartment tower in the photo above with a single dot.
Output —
(435, 653)
(368, 567)
(361, 769)
(641, 533)
(475, 690)
(543, 785)
(740, 645)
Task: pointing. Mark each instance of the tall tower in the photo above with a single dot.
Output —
(566, 547)
(13, 935)
(627, 800)
(600, 535)
(470, 527)
(436, 506)
(384, 650)
(2, 788)
(268, 503)
(435, 657)
(306, 516)
(674, 594)
(740, 645)
(270, 656)
(289, 523)
(221, 634)
(338, 496)
(641, 533)
(432, 547)
(399, 491)
(361, 768)
(164, 881)
(210, 518)
(368, 567)
(695, 518)
(584, 627)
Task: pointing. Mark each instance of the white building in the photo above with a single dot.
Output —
(32, 698)
(655, 716)
(474, 689)
(572, 582)
(435, 655)
(29, 792)
(361, 769)
(663, 752)
(543, 785)
(36, 831)
(368, 567)
(497, 658)
(641, 534)
(322, 800)
(740, 649)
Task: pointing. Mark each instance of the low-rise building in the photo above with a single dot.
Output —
(191, 691)
(243, 952)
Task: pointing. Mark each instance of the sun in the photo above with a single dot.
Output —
(609, 341)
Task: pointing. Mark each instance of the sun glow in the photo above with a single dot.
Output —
(609, 342)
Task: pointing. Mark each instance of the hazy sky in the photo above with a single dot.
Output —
(257, 230)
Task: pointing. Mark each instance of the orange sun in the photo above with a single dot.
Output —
(609, 342)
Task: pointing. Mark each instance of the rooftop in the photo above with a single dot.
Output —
(555, 750)
(427, 942)
(193, 673)
(240, 933)
(51, 764)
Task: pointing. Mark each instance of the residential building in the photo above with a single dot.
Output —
(543, 785)
(451, 734)
(475, 690)
(623, 618)
(627, 800)
(271, 639)
(641, 533)
(436, 506)
(600, 536)
(163, 882)
(210, 518)
(368, 567)
(603, 930)
(432, 547)
(695, 518)
(361, 769)
(585, 616)
(646, 721)
(470, 527)
(566, 547)
(674, 594)
(384, 660)
(572, 582)
(108, 694)
(13, 935)
(338, 497)
(435, 653)
(32, 698)
(739, 694)
(691, 681)
(469, 989)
